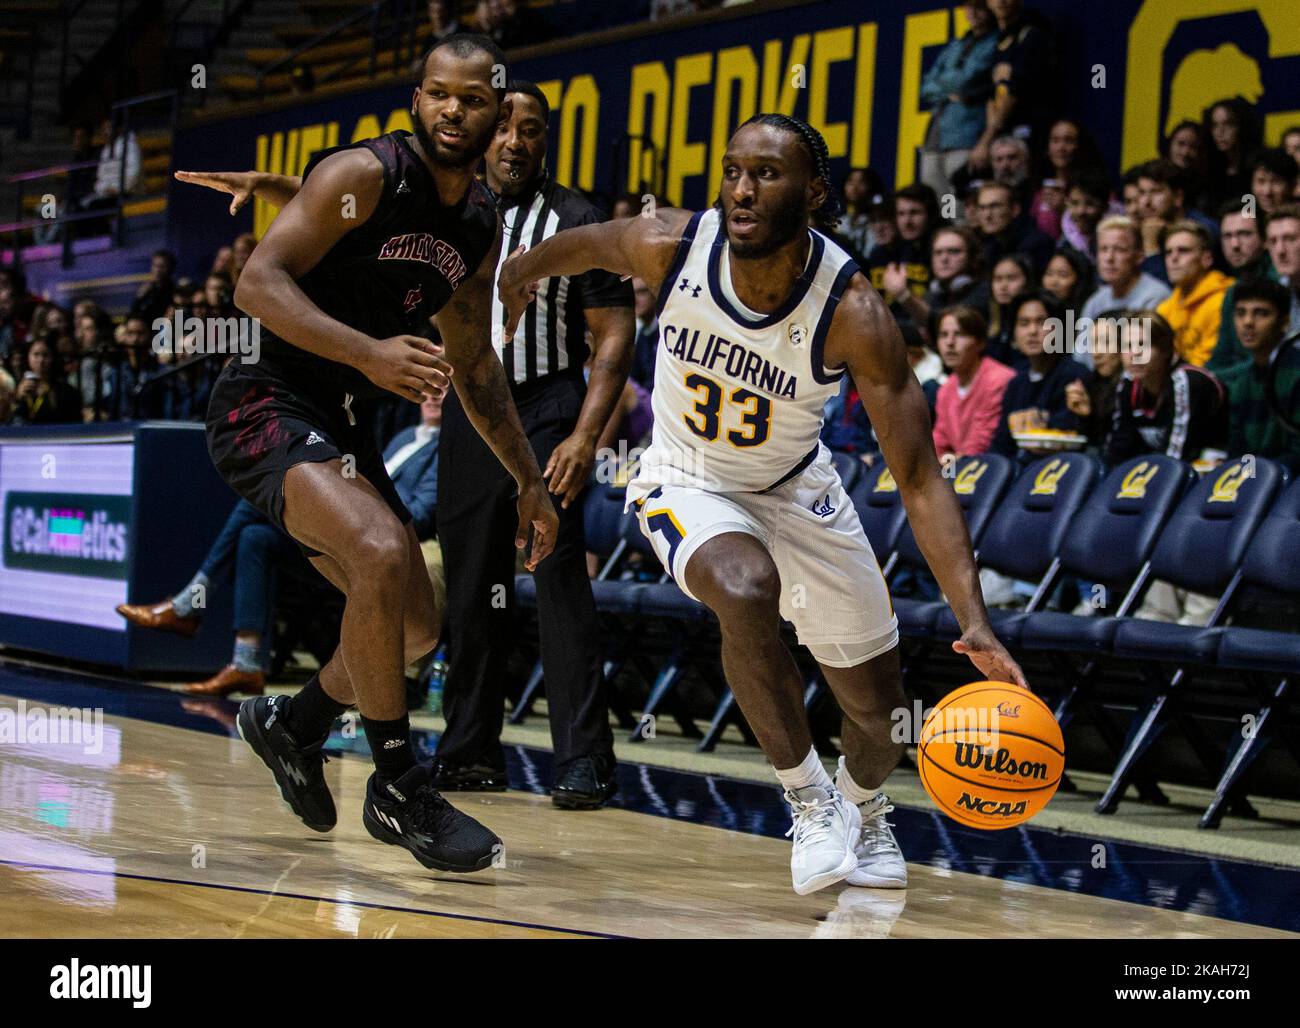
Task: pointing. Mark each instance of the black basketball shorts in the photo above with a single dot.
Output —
(259, 426)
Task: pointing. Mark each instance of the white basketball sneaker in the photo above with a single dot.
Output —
(826, 828)
(880, 863)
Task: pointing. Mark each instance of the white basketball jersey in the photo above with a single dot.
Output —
(738, 396)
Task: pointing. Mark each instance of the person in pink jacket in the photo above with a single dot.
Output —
(969, 403)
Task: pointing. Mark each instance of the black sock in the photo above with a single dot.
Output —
(390, 746)
(311, 713)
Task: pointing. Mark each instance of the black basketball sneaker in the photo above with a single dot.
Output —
(410, 812)
(298, 770)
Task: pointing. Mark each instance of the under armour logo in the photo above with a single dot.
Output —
(402, 188)
(686, 284)
(822, 508)
(413, 298)
(291, 772)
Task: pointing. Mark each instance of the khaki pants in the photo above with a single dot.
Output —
(937, 169)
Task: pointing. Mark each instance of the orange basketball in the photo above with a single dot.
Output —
(990, 755)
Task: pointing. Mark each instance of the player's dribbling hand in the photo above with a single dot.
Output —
(238, 184)
(990, 656)
(515, 293)
(408, 366)
(536, 513)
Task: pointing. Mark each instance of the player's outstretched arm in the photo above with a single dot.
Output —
(865, 338)
(642, 246)
(339, 195)
(277, 190)
(465, 324)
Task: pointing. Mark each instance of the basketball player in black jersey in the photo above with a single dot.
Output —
(379, 237)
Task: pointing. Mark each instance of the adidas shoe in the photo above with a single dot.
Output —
(880, 863)
(298, 770)
(410, 812)
(825, 829)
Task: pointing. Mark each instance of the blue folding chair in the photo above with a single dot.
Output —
(848, 467)
(1268, 662)
(880, 509)
(1201, 549)
(1025, 535)
(980, 483)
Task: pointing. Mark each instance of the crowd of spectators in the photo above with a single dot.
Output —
(1063, 306)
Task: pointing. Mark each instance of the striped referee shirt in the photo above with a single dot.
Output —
(551, 336)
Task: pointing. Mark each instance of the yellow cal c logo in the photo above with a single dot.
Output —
(1046, 481)
(1134, 486)
(968, 476)
(1229, 483)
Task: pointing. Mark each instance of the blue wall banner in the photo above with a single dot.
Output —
(654, 108)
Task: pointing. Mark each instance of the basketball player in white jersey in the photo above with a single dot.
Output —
(760, 318)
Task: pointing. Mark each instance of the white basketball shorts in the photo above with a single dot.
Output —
(832, 590)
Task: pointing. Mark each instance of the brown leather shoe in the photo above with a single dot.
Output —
(160, 616)
(229, 679)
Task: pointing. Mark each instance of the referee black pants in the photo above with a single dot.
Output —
(477, 518)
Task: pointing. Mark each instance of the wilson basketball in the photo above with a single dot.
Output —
(990, 755)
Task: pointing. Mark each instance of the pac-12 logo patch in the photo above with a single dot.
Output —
(798, 333)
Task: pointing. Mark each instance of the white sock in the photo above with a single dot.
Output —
(809, 772)
(850, 789)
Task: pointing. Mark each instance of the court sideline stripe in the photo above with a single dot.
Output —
(319, 899)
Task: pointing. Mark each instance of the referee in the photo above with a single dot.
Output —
(563, 417)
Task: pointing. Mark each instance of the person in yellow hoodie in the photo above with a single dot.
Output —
(1195, 307)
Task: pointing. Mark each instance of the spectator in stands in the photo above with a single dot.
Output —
(926, 365)
(1070, 278)
(906, 259)
(1130, 194)
(1093, 402)
(1005, 229)
(1282, 232)
(118, 174)
(1069, 151)
(1087, 202)
(1188, 146)
(861, 191)
(1035, 398)
(1010, 160)
(510, 24)
(1163, 403)
(25, 303)
(42, 397)
(51, 319)
(968, 406)
(1273, 174)
(13, 332)
(443, 21)
(6, 397)
(217, 296)
(1291, 142)
(1161, 203)
(155, 292)
(1124, 285)
(1195, 307)
(647, 335)
(133, 367)
(95, 348)
(629, 422)
(846, 427)
(1242, 244)
(245, 555)
(882, 224)
(1260, 311)
(1025, 94)
(955, 277)
(1234, 129)
(240, 251)
(957, 89)
(1012, 275)
(223, 261)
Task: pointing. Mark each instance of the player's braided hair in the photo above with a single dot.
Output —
(828, 214)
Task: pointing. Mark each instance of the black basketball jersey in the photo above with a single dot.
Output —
(388, 275)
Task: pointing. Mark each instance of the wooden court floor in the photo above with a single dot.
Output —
(173, 832)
